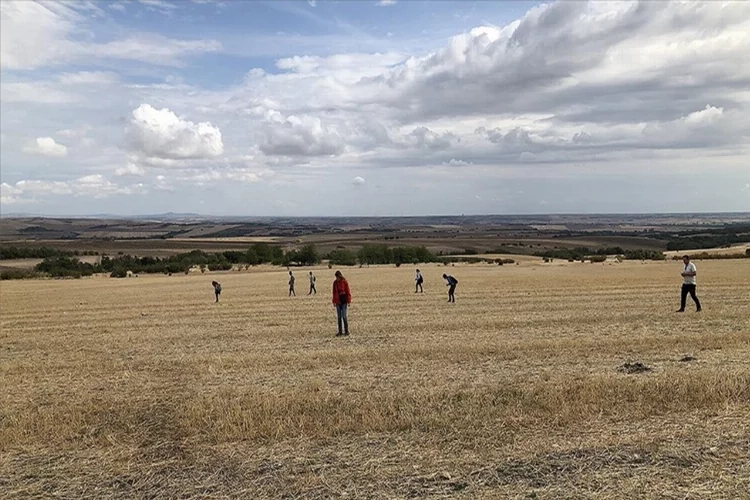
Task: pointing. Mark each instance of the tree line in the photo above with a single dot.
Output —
(65, 264)
(599, 254)
(8, 253)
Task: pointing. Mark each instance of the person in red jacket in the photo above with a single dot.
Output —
(342, 297)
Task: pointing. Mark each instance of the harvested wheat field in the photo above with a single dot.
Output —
(145, 388)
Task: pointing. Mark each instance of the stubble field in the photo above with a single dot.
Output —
(145, 388)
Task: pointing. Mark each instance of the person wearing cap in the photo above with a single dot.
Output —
(342, 297)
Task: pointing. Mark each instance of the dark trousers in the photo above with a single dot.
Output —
(418, 287)
(217, 296)
(689, 289)
(451, 293)
(291, 291)
(312, 289)
(343, 320)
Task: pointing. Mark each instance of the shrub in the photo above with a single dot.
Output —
(17, 274)
(308, 255)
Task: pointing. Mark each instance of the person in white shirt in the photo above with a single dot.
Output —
(688, 284)
(312, 284)
(419, 280)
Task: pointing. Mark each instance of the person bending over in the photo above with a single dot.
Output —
(217, 289)
(452, 282)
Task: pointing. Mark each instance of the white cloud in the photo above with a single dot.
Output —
(358, 181)
(35, 92)
(74, 133)
(88, 78)
(9, 194)
(38, 34)
(299, 136)
(457, 163)
(130, 169)
(46, 146)
(159, 133)
(386, 3)
(93, 186)
(34, 34)
(159, 5)
(153, 49)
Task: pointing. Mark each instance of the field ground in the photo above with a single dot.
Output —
(143, 387)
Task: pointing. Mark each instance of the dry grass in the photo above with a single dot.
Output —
(144, 388)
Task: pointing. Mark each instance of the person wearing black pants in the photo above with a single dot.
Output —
(419, 279)
(452, 282)
(313, 290)
(291, 284)
(217, 289)
(688, 286)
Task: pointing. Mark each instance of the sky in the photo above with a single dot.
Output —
(374, 107)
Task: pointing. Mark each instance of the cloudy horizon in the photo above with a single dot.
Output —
(374, 108)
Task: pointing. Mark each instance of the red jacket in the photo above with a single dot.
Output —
(341, 287)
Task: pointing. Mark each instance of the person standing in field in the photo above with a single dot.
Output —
(291, 284)
(419, 279)
(217, 289)
(688, 285)
(452, 282)
(342, 297)
(312, 284)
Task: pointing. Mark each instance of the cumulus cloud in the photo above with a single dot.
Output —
(358, 181)
(299, 135)
(46, 146)
(160, 133)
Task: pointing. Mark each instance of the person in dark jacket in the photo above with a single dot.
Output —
(452, 282)
(291, 284)
(342, 297)
(217, 289)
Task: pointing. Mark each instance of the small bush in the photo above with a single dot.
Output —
(17, 274)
